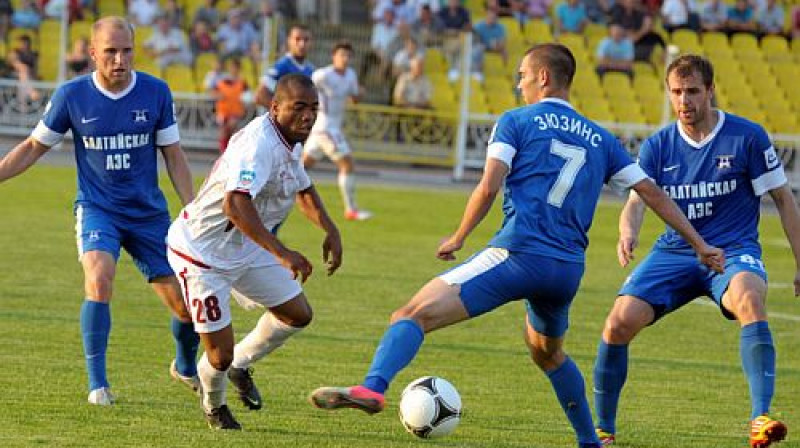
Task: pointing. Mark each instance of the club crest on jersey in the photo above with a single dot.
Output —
(771, 158)
(94, 235)
(724, 162)
(140, 115)
(246, 178)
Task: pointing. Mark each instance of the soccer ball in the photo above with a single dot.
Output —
(430, 407)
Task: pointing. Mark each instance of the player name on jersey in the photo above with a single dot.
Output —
(700, 190)
(119, 141)
(571, 124)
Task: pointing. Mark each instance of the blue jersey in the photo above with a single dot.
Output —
(559, 161)
(716, 182)
(283, 66)
(116, 137)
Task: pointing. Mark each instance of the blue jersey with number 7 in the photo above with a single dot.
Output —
(559, 162)
(116, 138)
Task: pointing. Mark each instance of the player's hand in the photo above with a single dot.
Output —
(297, 263)
(625, 248)
(447, 247)
(332, 252)
(713, 257)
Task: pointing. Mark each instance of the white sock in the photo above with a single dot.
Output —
(269, 334)
(214, 383)
(347, 185)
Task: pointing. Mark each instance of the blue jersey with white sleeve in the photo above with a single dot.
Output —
(283, 66)
(559, 161)
(717, 182)
(116, 138)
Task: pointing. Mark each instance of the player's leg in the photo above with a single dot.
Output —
(144, 241)
(270, 285)
(745, 299)
(660, 284)
(98, 249)
(338, 150)
(547, 321)
(212, 370)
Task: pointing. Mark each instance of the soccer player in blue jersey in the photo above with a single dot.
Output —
(119, 119)
(715, 166)
(294, 61)
(553, 162)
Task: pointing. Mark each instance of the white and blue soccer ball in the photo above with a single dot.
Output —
(430, 407)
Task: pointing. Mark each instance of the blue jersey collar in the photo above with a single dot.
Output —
(556, 101)
(112, 95)
(296, 63)
(709, 137)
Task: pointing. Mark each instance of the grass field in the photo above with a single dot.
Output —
(685, 389)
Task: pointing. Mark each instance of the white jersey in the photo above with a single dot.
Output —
(258, 162)
(334, 89)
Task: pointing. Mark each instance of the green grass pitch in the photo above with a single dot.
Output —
(685, 389)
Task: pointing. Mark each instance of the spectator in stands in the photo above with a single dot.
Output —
(571, 17)
(213, 76)
(795, 30)
(417, 5)
(246, 10)
(741, 18)
(413, 88)
(533, 10)
(53, 9)
(402, 59)
(615, 52)
(25, 63)
(201, 40)
(714, 15)
(384, 33)
(236, 37)
(455, 20)
(78, 60)
(403, 12)
(771, 20)
(174, 12)
(676, 14)
(6, 11)
(503, 8)
(143, 12)
(428, 27)
(230, 107)
(639, 26)
(168, 44)
(597, 11)
(490, 36)
(208, 13)
(27, 16)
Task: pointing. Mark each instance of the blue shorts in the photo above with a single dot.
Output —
(144, 240)
(669, 280)
(494, 276)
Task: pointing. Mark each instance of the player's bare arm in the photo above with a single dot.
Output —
(479, 204)
(179, 173)
(21, 158)
(312, 207)
(666, 208)
(239, 209)
(630, 224)
(790, 220)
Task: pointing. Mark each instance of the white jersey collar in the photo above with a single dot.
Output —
(556, 101)
(294, 150)
(296, 63)
(697, 145)
(110, 94)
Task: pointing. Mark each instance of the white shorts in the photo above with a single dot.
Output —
(330, 143)
(262, 281)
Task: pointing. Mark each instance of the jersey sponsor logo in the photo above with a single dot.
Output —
(771, 158)
(85, 120)
(701, 190)
(246, 178)
(724, 162)
(671, 168)
(119, 141)
(140, 115)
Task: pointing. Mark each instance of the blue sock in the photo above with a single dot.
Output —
(610, 373)
(758, 361)
(570, 389)
(399, 346)
(186, 343)
(95, 328)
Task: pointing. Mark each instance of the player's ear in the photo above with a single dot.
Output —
(543, 78)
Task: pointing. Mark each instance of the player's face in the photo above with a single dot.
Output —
(528, 81)
(295, 113)
(341, 59)
(690, 98)
(112, 53)
(299, 42)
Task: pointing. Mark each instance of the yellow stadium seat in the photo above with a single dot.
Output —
(627, 112)
(744, 42)
(82, 28)
(180, 78)
(575, 43)
(15, 33)
(597, 110)
(685, 38)
(538, 31)
(111, 8)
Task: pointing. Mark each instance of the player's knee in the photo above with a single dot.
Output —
(220, 360)
(750, 308)
(100, 286)
(618, 330)
(408, 312)
(300, 319)
(546, 358)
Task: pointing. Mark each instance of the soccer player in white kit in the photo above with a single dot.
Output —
(223, 242)
(336, 83)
